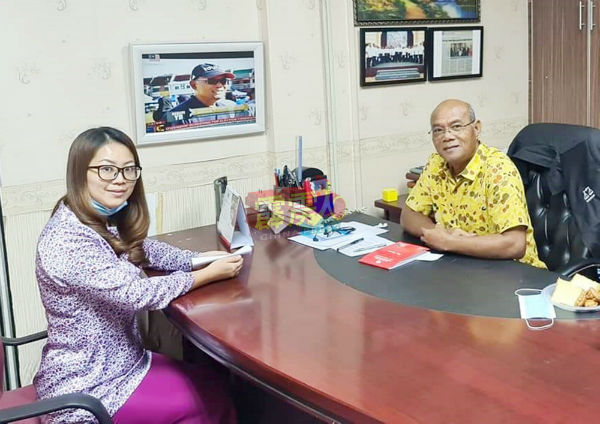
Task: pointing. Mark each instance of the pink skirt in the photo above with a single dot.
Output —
(177, 392)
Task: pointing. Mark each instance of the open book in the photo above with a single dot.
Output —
(394, 255)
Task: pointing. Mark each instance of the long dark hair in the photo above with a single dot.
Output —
(133, 221)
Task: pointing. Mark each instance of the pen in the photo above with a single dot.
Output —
(358, 240)
(375, 246)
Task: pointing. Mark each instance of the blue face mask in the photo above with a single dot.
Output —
(104, 211)
(535, 306)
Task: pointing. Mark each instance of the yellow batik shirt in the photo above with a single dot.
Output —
(487, 197)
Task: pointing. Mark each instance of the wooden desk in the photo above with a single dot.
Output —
(392, 210)
(288, 324)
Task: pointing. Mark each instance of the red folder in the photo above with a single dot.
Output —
(394, 255)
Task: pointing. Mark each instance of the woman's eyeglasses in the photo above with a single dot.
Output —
(111, 172)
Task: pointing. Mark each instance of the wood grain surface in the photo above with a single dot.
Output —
(362, 359)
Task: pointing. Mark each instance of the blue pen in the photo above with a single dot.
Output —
(352, 243)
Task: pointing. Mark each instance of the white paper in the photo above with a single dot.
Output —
(228, 215)
(370, 244)
(429, 257)
(362, 230)
(199, 261)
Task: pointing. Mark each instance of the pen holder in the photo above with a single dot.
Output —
(322, 204)
(294, 194)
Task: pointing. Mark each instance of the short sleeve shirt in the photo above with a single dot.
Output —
(487, 197)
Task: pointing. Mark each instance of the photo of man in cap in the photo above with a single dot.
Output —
(209, 83)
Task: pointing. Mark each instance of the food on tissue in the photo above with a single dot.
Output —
(580, 291)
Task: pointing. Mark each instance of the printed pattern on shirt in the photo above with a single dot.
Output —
(91, 296)
(487, 197)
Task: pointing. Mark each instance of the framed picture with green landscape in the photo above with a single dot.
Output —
(398, 12)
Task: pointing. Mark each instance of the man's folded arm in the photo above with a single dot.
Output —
(413, 222)
(511, 244)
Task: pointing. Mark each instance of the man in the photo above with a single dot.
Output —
(209, 83)
(470, 198)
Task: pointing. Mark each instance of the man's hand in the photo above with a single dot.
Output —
(441, 238)
(511, 244)
(438, 238)
(460, 233)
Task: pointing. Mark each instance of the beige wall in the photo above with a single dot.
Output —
(67, 68)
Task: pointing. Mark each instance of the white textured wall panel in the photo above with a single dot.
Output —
(22, 232)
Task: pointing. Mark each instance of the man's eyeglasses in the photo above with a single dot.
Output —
(454, 129)
(215, 81)
(111, 172)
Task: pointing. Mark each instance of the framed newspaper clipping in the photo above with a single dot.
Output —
(455, 52)
(197, 90)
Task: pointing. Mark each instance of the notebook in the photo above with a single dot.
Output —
(394, 255)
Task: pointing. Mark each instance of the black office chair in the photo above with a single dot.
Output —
(544, 155)
(22, 403)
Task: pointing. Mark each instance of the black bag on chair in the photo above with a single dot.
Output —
(559, 165)
(581, 176)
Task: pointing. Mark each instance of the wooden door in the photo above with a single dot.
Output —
(558, 61)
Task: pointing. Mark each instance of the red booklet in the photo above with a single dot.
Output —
(394, 255)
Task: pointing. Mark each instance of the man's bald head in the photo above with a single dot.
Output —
(453, 103)
(455, 133)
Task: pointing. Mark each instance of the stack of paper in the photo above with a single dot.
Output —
(310, 238)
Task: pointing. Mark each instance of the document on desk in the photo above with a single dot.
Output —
(199, 261)
(368, 244)
(429, 257)
(309, 238)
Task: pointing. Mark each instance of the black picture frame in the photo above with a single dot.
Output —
(455, 52)
(376, 12)
(393, 55)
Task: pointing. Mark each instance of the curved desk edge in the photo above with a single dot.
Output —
(244, 367)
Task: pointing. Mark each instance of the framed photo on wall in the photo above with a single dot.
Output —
(197, 90)
(392, 55)
(411, 12)
(456, 52)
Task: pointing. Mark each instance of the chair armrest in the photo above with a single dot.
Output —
(45, 406)
(570, 270)
(16, 341)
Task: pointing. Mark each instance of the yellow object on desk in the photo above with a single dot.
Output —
(389, 195)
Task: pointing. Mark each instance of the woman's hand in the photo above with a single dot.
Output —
(221, 269)
(226, 268)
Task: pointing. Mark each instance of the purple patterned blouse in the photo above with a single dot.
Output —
(91, 296)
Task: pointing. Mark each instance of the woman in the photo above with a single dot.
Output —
(88, 269)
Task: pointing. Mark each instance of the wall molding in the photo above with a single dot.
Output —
(42, 196)
(498, 133)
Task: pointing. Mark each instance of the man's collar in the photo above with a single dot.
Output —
(472, 169)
